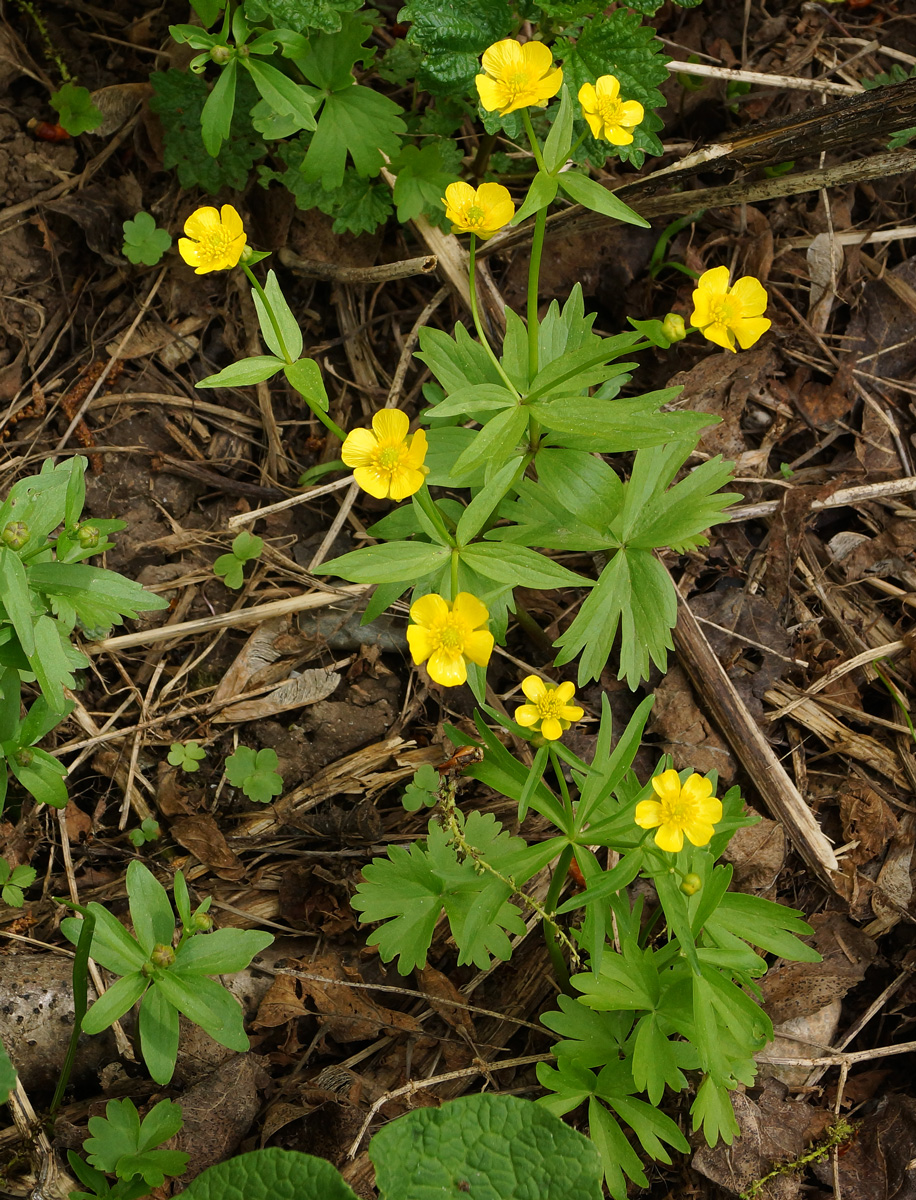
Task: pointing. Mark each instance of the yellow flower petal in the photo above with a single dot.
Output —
(373, 481)
(715, 281)
(537, 58)
(421, 643)
(571, 712)
(618, 136)
(492, 94)
(667, 786)
(701, 314)
(595, 123)
(565, 692)
(447, 668)
(669, 838)
(429, 610)
(721, 335)
(696, 788)
(551, 729)
(478, 647)
(534, 688)
(359, 447)
(503, 58)
(405, 481)
(457, 195)
(607, 87)
(751, 295)
(201, 223)
(698, 833)
(390, 425)
(416, 453)
(470, 609)
(750, 330)
(527, 715)
(631, 112)
(231, 221)
(648, 814)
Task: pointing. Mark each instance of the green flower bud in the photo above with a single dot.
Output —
(673, 327)
(691, 884)
(16, 534)
(220, 54)
(162, 956)
(88, 536)
(24, 756)
(243, 51)
(202, 922)
(147, 969)
(246, 253)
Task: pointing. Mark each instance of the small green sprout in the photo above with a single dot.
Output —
(187, 755)
(75, 109)
(148, 831)
(422, 789)
(13, 880)
(255, 773)
(143, 241)
(245, 548)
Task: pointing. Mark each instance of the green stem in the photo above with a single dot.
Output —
(80, 1004)
(431, 508)
(268, 308)
(454, 575)
(557, 960)
(326, 420)
(534, 275)
(475, 316)
(532, 140)
(575, 146)
(561, 779)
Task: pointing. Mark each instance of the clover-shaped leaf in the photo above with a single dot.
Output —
(143, 241)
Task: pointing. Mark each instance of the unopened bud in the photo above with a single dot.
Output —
(162, 956)
(673, 327)
(220, 54)
(24, 756)
(243, 51)
(246, 253)
(691, 884)
(16, 534)
(202, 922)
(87, 536)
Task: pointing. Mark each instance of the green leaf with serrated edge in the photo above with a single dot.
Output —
(404, 891)
(222, 952)
(114, 1003)
(283, 95)
(112, 946)
(481, 508)
(7, 1075)
(541, 194)
(76, 109)
(770, 926)
(150, 910)
(654, 1065)
(143, 243)
(272, 1174)
(421, 179)
(650, 1126)
(678, 516)
(494, 443)
(510, 1148)
(581, 483)
(559, 140)
(178, 100)
(453, 34)
(520, 567)
(590, 194)
(713, 1109)
(206, 1003)
(216, 117)
(305, 377)
(627, 981)
(358, 122)
(162, 1122)
(617, 1155)
(117, 1133)
(401, 561)
(289, 326)
(250, 370)
(590, 1039)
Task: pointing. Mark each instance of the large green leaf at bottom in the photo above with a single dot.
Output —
(485, 1147)
(270, 1175)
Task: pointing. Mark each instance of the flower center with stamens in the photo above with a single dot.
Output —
(517, 83)
(609, 110)
(474, 215)
(390, 457)
(722, 310)
(451, 635)
(549, 705)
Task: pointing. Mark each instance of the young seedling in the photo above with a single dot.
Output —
(143, 241)
(75, 109)
(246, 547)
(187, 755)
(13, 882)
(255, 772)
(147, 831)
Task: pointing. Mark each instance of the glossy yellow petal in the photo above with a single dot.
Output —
(701, 314)
(358, 448)
(231, 222)
(565, 692)
(405, 481)
(571, 712)
(478, 647)
(493, 95)
(749, 330)
(595, 124)
(447, 668)
(429, 610)
(548, 87)
(503, 58)
(551, 729)
(715, 281)
(587, 96)
(202, 223)
(618, 136)
(190, 252)
(534, 687)
(421, 643)
(696, 788)
(698, 832)
(373, 481)
(669, 838)
(631, 113)
(751, 295)
(709, 811)
(721, 335)
(390, 426)
(667, 786)
(607, 87)
(648, 814)
(457, 195)
(527, 715)
(491, 194)
(470, 609)
(416, 453)
(537, 59)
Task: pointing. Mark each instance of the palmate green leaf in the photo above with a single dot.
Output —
(616, 426)
(655, 1063)
(590, 1039)
(633, 593)
(143, 243)
(300, 15)
(422, 177)
(510, 1148)
(770, 926)
(404, 891)
(394, 563)
(355, 121)
(121, 1145)
(713, 1110)
(357, 206)
(452, 35)
(76, 109)
(626, 982)
(285, 97)
(580, 367)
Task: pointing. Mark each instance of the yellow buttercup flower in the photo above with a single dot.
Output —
(609, 117)
(517, 76)
(484, 210)
(386, 463)
(549, 706)
(215, 241)
(450, 636)
(724, 313)
(689, 808)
